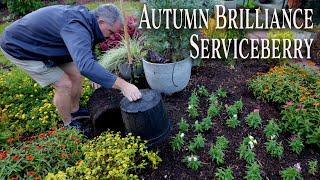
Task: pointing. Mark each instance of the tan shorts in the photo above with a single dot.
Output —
(37, 70)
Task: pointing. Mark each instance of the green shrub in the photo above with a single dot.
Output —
(272, 129)
(280, 34)
(217, 151)
(296, 144)
(111, 156)
(22, 7)
(177, 142)
(25, 107)
(48, 152)
(313, 167)
(253, 119)
(246, 149)
(192, 162)
(274, 148)
(297, 89)
(253, 171)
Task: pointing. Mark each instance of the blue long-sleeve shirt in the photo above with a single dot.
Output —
(58, 34)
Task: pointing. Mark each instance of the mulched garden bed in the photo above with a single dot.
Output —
(212, 75)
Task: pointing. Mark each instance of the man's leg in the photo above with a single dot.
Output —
(62, 98)
(75, 77)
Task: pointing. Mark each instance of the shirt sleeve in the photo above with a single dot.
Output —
(78, 41)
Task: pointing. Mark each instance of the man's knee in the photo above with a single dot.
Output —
(64, 84)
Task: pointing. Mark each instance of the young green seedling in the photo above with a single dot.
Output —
(192, 162)
(222, 93)
(313, 167)
(198, 128)
(203, 91)
(216, 151)
(274, 148)
(207, 123)
(214, 110)
(296, 144)
(197, 143)
(177, 142)
(253, 171)
(213, 99)
(193, 105)
(246, 149)
(253, 119)
(233, 121)
(290, 173)
(183, 126)
(272, 129)
(224, 174)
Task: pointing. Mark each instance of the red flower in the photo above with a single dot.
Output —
(29, 157)
(10, 140)
(3, 155)
(42, 135)
(51, 132)
(15, 157)
(37, 178)
(31, 173)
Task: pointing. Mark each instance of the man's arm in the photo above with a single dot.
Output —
(78, 41)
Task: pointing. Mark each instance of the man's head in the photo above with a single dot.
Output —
(109, 19)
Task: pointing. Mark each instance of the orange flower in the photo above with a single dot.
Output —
(31, 173)
(51, 132)
(10, 140)
(42, 135)
(63, 155)
(15, 157)
(63, 146)
(3, 155)
(39, 147)
(29, 157)
(14, 178)
(316, 104)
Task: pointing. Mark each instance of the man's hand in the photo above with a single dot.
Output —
(130, 91)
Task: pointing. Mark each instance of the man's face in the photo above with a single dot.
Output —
(107, 29)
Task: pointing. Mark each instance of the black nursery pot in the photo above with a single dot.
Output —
(105, 113)
(146, 117)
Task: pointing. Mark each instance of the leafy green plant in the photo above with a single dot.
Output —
(111, 156)
(22, 7)
(214, 110)
(272, 129)
(235, 108)
(296, 88)
(207, 123)
(233, 122)
(183, 125)
(253, 171)
(202, 91)
(222, 93)
(192, 162)
(193, 105)
(313, 167)
(296, 144)
(224, 174)
(290, 173)
(274, 148)
(213, 99)
(177, 142)
(197, 143)
(119, 55)
(172, 44)
(253, 119)
(246, 149)
(51, 151)
(198, 127)
(216, 151)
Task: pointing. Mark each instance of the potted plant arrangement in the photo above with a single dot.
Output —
(167, 66)
(117, 58)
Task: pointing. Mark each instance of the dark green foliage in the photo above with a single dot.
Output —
(224, 174)
(272, 129)
(253, 172)
(296, 144)
(22, 7)
(274, 148)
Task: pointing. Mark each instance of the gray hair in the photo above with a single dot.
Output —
(109, 13)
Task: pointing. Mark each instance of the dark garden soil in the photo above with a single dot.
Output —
(214, 75)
